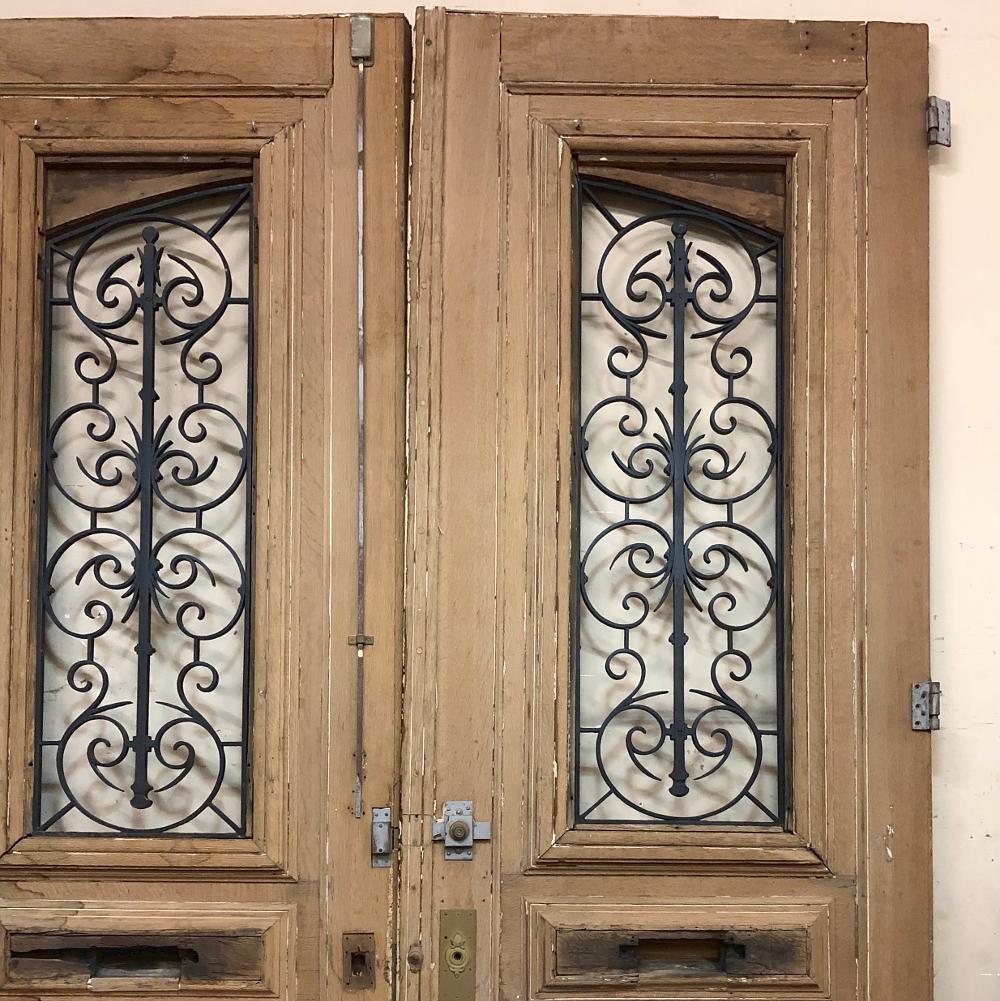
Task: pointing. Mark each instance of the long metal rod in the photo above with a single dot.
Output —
(360, 638)
(678, 464)
(141, 743)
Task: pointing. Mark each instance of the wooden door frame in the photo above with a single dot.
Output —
(283, 89)
(478, 79)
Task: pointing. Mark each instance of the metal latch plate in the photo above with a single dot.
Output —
(458, 829)
(381, 837)
(926, 705)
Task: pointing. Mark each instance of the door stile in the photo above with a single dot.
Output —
(349, 875)
(896, 579)
(453, 358)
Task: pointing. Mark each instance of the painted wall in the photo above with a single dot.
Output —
(965, 418)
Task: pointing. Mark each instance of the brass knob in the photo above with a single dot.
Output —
(459, 830)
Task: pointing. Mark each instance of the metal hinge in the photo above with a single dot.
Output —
(458, 829)
(938, 121)
(362, 39)
(360, 639)
(383, 837)
(926, 705)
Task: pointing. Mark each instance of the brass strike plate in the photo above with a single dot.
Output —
(457, 956)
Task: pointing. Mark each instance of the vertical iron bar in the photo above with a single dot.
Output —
(781, 557)
(576, 486)
(678, 463)
(43, 538)
(148, 302)
(246, 730)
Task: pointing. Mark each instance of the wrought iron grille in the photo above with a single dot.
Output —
(143, 679)
(679, 682)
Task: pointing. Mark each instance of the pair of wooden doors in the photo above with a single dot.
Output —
(551, 637)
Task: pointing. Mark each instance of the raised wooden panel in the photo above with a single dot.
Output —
(195, 55)
(692, 948)
(684, 52)
(64, 948)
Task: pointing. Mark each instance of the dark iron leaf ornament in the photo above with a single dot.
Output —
(680, 713)
(143, 690)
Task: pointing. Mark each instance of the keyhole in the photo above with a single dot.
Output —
(359, 964)
(457, 956)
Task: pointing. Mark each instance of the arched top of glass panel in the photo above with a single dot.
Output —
(602, 190)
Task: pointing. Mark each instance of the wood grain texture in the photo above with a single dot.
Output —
(623, 52)
(76, 195)
(758, 207)
(416, 899)
(896, 576)
(638, 947)
(174, 54)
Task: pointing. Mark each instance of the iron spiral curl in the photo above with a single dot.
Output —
(678, 515)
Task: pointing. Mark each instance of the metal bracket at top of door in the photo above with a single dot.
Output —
(458, 829)
(362, 39)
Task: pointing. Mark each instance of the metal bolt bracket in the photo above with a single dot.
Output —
(458, 829)
(381, 837)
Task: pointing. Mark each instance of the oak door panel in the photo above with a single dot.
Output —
(103, 115)
(765, 123)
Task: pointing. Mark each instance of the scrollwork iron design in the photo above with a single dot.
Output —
(680, 714)
(145, 523)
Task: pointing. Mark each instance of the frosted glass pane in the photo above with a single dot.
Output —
(680, 715)
(143, 627)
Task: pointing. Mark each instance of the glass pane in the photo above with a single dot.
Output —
(680, 712)
(144, 651)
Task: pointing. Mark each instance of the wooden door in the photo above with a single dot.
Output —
(690, 796)
(183, 208)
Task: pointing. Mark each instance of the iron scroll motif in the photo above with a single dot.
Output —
(143, 685)
(679, 701)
